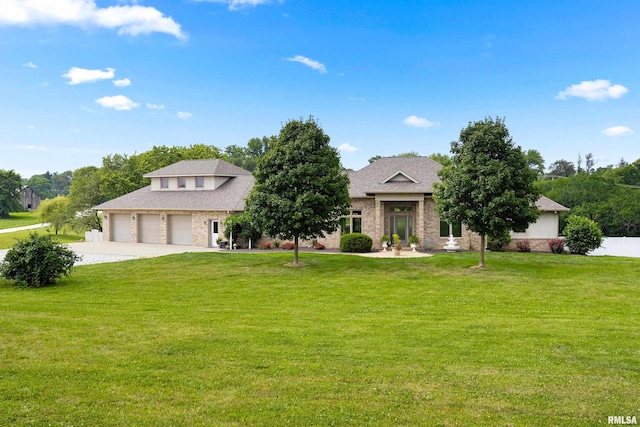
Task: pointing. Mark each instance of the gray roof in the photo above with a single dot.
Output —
(545, 204)
(208, 167)
(417, 174)
(228, 197)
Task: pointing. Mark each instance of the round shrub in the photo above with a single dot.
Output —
(37, 261)
(355, 242)
(582, 235)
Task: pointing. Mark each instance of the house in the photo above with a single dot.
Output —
(187, 203)
(29, 199)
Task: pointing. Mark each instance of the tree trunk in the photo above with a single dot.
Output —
(483, 244)
(295, 250)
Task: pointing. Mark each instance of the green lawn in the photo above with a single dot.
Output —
(19, 219)
(7, 240)
(239, 339)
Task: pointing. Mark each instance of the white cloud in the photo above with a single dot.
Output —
(617, 131)
(122, 82)
(154, 106)
(309, 63)
(419, 122)
(33, 147)
(347, 148)
(595, 90)
(353, 98)
(127, 19)
(239, 4)
(80, 75)
(30, 65)
(118, 102)
(184, 115)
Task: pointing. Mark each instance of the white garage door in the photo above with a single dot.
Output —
(120, 227)
(180, 230)
(149, 228)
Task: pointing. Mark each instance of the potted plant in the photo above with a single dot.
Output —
(397, 246)
(413, 242)
(384, 242)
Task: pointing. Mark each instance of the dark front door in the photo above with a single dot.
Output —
(402, 225)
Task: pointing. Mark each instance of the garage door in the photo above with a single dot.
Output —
(120, 227)
(180, 230)
(149, 229)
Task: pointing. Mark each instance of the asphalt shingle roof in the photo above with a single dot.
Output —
(208, 167)
(371, 179)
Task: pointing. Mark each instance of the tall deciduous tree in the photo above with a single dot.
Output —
(562, 168)
(488, 186)
(10, 185)
(56, 211)
(535, 161)
(300, 191)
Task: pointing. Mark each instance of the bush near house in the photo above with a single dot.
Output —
(499, 242)
(37, 261)
(288, 246)
(356, 242)
(556, 246)
(582, 235)
(523, 245)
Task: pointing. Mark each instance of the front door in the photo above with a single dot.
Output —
(402, 225)
(214, 234)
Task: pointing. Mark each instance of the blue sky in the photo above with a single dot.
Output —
(82, 79)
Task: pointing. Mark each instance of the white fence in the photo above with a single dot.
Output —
(619, 246)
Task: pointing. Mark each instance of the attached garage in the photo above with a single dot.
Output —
(149, 228)
(120, 227)
(180, 232)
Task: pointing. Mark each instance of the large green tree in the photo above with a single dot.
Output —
(488, 186)
(56, 212)
(84, 194)
(300, 191)
(10, 186)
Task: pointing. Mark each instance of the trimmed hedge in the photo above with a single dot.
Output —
(356, 242)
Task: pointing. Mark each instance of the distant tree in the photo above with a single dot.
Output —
(488, 186)
(56, 211)
(443, 159)
(41, 185)
(85, 193)
(535, 161)
(590, 163)
(562, 168)
(247, 157)
(629, 174)
(10, 186)
(61, 182)
(374, 158)
(300, 191)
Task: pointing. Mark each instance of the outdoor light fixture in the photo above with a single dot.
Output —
(133, 217)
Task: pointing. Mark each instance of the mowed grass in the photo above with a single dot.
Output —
(240, 339)
(19, 219)
(7, 240)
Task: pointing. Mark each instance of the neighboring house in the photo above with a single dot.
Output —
(29, 199)
(187, 203)
(545, 228)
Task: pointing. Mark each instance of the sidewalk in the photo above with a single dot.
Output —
(26, 227)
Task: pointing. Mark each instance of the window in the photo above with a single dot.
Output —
(164, 182)
(199, 181)
(444, 229)
(182, 182)
(401, 209)
(352, 223)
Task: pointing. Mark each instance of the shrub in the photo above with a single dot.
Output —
(37, 261)
(523, 246)
(355, 242)
(264, 246)
(556, 246)
(498, 243)
(318, 246)
(276, 244)
(288, 246)
(414, 240)
(582, 235)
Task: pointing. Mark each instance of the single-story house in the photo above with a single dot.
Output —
(187, 203)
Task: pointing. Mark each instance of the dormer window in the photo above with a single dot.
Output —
(182, 182)
(164, 182)
(199, 181)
